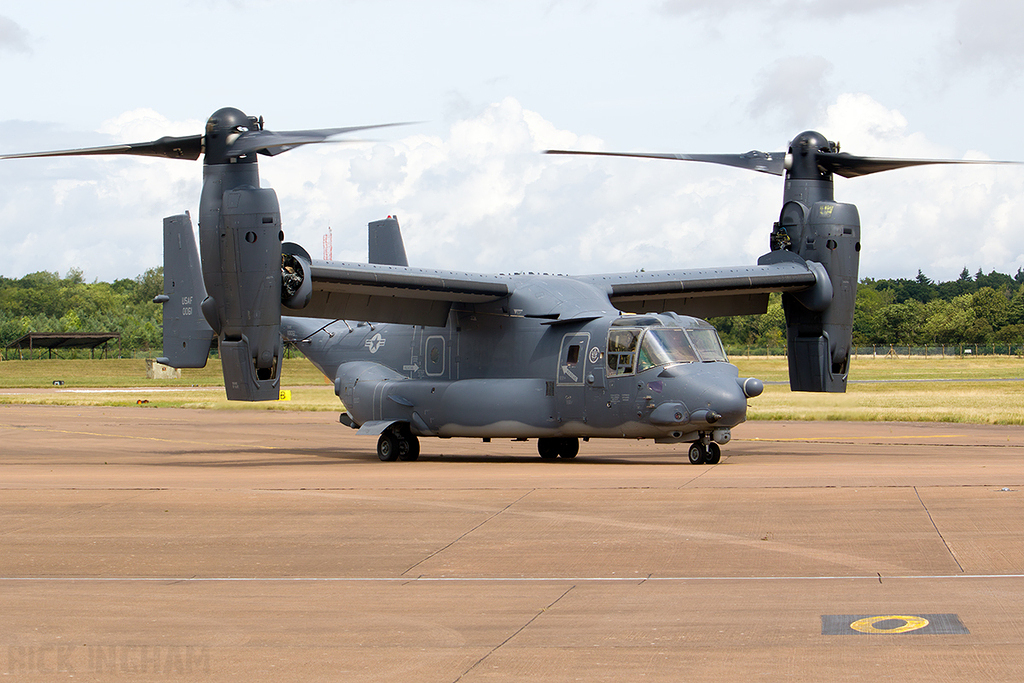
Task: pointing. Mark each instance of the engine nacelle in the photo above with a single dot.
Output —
(240, 237)
(820, 337)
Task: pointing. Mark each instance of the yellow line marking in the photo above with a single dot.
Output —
(858, 438)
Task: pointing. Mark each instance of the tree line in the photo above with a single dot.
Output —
(46, 302)
(979, 309)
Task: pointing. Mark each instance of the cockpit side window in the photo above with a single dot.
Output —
(707, 343)
(621, 354)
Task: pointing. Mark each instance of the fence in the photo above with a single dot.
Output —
(892, 351)
(12, 353)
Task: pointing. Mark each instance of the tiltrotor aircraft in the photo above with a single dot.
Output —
(419, 352)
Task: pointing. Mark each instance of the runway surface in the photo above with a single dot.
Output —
(157, 544)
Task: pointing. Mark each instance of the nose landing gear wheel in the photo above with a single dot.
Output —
(700, 454)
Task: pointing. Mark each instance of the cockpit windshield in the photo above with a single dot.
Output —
(660, 346)
(663, 346)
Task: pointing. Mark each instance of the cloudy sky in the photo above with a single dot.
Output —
(494, 83)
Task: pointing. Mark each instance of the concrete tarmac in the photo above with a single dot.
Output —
(152, 544)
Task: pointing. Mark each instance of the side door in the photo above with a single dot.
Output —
(571, 377)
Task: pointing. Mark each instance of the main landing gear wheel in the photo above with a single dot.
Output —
(568, 448)
(387, 446)
(398, 443)
(553, 447)
(412, 452)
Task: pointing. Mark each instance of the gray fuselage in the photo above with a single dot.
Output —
(599, 374)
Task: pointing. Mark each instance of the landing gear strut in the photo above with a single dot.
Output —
(553, 447)
(398, 443)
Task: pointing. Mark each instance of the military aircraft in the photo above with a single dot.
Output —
(418, 352)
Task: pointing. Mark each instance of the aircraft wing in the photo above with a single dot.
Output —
(394, 294)
(712, 292)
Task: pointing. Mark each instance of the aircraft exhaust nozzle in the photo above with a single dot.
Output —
(251, 373)
(296, 280)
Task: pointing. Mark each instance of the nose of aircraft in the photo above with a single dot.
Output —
(724, 401)
(714, 393)
(704, 393)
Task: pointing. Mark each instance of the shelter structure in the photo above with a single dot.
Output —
(64, 340)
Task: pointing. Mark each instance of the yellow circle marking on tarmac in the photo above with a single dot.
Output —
(867, 625)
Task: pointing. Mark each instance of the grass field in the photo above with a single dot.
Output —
(957, 389)
(85, 382)
(896, 391)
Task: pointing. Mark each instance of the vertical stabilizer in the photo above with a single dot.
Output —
(187, 335)
(386, 245)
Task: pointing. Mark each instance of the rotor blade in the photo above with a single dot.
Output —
(187, 147)
(271, 143)
(763, 162)
(850, 166)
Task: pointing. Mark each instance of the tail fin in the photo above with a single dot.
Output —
(386, 246)
(187, 335)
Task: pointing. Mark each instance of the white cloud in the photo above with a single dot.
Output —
(987, 32)
(140, 125)
(100, 214)
(13, 38)
(787, 10)
(938, 219)
(792, 88)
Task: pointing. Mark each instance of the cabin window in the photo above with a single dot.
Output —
(573, 357)
(621, 354)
